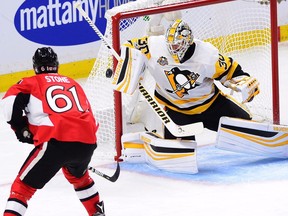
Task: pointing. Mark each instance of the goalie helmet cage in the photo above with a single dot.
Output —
(239, 29)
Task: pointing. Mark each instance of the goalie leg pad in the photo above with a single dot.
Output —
(177, 156)
(251, 137)
(132, 148)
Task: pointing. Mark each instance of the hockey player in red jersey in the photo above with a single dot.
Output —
(52, 112)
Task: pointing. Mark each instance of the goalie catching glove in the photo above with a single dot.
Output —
(248, 86)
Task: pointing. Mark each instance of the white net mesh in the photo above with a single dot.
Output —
(240, 29)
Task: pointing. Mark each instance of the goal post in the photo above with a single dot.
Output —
(245, 30)
(274, 62)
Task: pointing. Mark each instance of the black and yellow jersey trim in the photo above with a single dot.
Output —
(197, 109)
(140, 44)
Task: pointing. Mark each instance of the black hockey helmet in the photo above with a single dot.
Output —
(45, 60)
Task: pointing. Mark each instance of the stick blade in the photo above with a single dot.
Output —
(112, 178)
(196, 128)
(186, 130)
(116, 174)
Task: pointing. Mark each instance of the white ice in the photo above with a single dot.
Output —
(228, 184)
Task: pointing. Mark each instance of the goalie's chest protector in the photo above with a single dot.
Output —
(183, 81)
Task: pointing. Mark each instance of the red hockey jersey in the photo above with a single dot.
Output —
(57, 107)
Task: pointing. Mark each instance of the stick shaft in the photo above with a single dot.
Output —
(97, 31)
(112, 178)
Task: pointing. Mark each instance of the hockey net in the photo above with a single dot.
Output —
(240, 29)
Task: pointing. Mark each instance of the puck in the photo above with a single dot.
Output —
(109, 73)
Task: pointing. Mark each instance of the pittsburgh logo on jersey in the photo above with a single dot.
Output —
(181, 81)
(162, 61)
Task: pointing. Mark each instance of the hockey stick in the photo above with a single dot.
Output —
(176, 130)
(112, 178)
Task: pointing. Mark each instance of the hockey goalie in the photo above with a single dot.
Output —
(185, 70)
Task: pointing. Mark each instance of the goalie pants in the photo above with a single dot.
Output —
(222, 106)
(43, 163)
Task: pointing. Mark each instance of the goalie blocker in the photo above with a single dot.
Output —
(178, 156)
(244, 136)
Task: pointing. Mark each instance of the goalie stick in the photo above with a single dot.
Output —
(176, 130)
(112, 178)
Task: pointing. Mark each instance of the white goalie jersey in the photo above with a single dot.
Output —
(182, 85)
(186, 87)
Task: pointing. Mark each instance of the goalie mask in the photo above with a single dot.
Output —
(178, 38)
(45, 60)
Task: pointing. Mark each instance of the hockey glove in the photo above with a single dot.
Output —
(24, 135)
(248, 86)
(20, 127)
